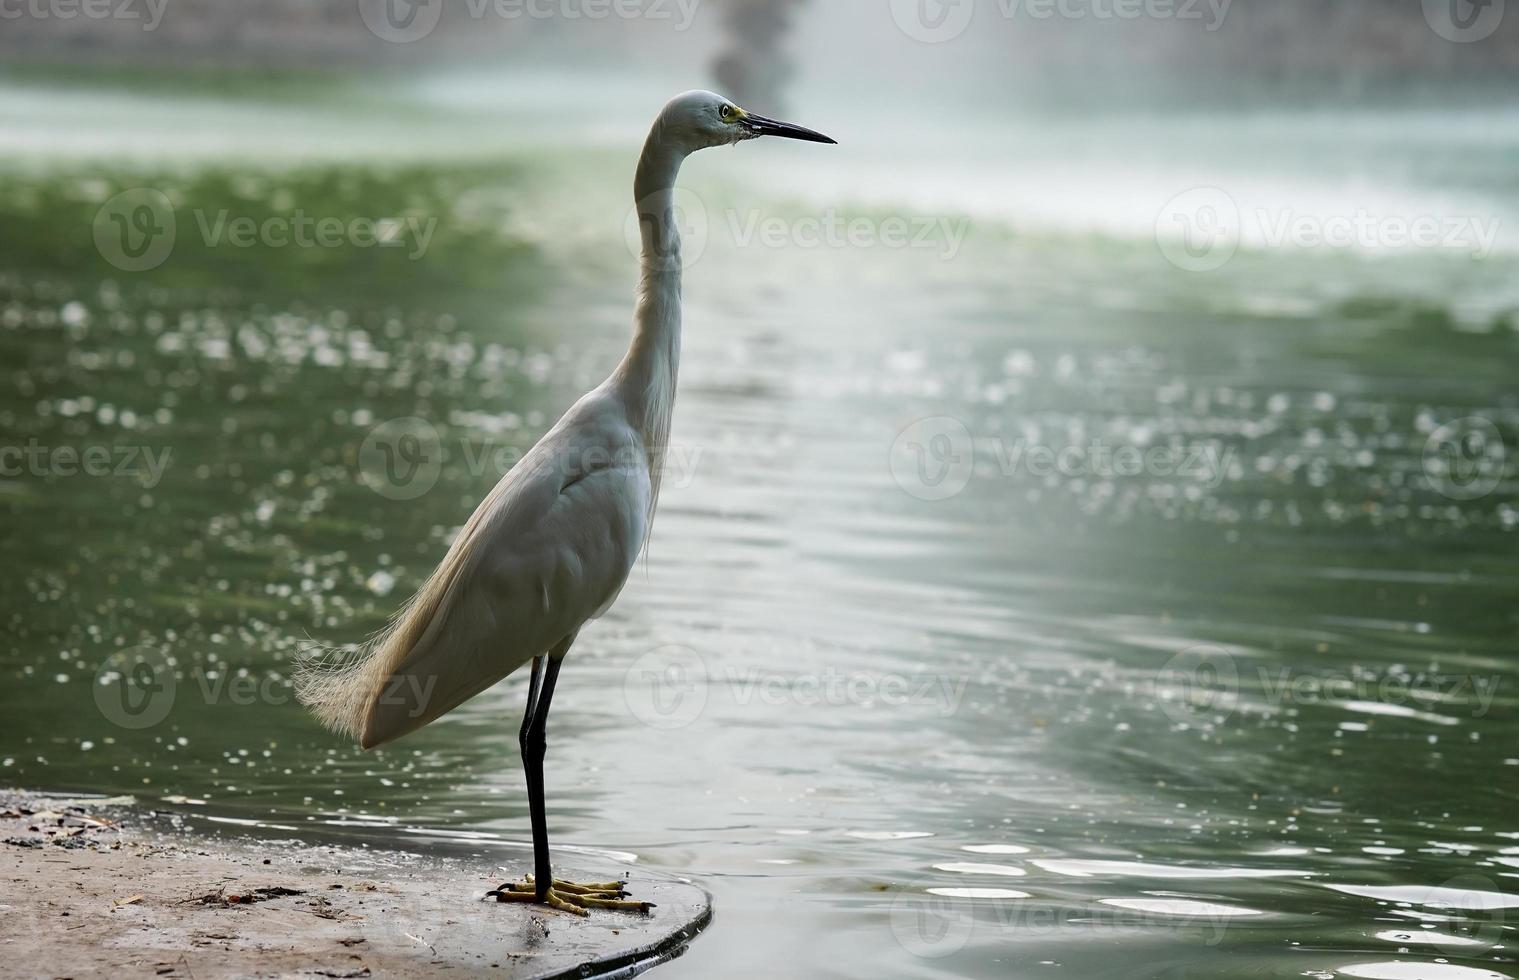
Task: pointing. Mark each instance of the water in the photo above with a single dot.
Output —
(920, 676)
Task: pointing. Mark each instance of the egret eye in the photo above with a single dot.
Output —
(728, 113)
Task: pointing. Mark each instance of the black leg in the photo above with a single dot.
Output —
(533, 769)
(569, 897)
(534, 746)
(533, 685)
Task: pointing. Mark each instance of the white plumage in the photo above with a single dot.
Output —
(551, 546)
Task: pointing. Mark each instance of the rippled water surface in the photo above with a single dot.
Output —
(1018, 606)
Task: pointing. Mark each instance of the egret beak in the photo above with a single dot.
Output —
(762, 126)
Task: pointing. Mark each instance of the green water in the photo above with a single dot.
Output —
(1257, 718)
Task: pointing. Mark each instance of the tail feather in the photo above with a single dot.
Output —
(341, 685)
(452, 640)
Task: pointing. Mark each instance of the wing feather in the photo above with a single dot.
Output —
(549, 548)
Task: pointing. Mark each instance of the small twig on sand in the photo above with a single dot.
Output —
(419, 939)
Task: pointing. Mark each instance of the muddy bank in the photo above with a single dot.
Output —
(94, 887)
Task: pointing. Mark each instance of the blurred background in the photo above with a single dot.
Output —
(1089, 547)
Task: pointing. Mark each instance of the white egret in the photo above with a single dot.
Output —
(552, 545)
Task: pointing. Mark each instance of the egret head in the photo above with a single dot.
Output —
(697, 120)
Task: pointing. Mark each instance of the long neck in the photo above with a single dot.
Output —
(649, 370)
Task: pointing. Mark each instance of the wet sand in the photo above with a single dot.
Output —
(102, 888)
